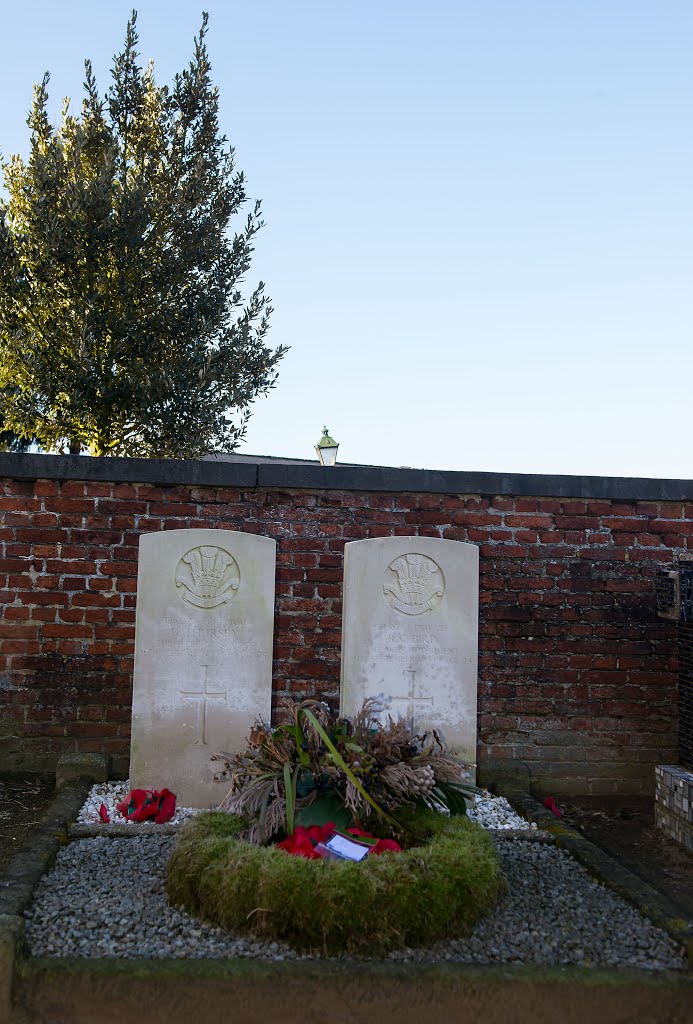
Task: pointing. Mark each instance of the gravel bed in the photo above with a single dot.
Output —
(489, 811)
(494, 812)
(111, 793)
(105, 898)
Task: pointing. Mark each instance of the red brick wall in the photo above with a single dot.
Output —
(577, 677)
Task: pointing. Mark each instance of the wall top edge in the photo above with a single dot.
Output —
(250, 475)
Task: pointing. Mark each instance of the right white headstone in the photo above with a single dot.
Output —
(410, 634)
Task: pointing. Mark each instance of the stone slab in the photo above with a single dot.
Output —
(203, 655)
(96, 767)
(110, 991)
(410, 634)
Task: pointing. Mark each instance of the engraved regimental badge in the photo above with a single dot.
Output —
(207, 576)
(414, 584)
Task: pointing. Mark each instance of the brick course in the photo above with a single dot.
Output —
(577, 676)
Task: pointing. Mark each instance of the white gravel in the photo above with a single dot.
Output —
(489, 811)
(494, 812)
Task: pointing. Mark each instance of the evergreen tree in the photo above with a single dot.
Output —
(122, 325)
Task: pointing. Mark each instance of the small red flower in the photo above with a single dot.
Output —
(382, 846)
(167, 806)
(300, 844)
(385, 846)
(550, 804)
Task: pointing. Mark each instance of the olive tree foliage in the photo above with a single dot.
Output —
(122, 325)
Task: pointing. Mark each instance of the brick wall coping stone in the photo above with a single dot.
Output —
(301, 476)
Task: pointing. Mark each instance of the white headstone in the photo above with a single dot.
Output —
(203, 655)
(410, 634)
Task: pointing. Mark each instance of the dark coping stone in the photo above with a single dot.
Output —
(302, 476)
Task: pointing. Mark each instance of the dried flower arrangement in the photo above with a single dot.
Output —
(316, 767)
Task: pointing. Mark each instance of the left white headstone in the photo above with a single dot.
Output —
(203, 655)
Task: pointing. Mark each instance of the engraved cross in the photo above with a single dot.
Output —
(204, 694)
(411, 699)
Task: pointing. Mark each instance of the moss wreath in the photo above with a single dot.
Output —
(435, 890)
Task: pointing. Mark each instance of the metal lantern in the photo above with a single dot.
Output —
(327, 449)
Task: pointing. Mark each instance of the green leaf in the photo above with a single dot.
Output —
(457, 797)
(290, 798)
(339, 760)
(326, 808)
(304, 782)
(263, 810)
(303, 755)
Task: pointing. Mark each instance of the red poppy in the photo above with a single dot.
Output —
(142, 804)
(550, 804)
(382, 846)
(167, 806)
(302, 841)
(386, 845)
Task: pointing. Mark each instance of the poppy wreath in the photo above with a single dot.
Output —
(302, 841)
(436, 889)
(147, 804)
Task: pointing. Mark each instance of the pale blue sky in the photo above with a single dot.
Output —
(479, 238)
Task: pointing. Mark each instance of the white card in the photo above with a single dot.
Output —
(346, 849)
